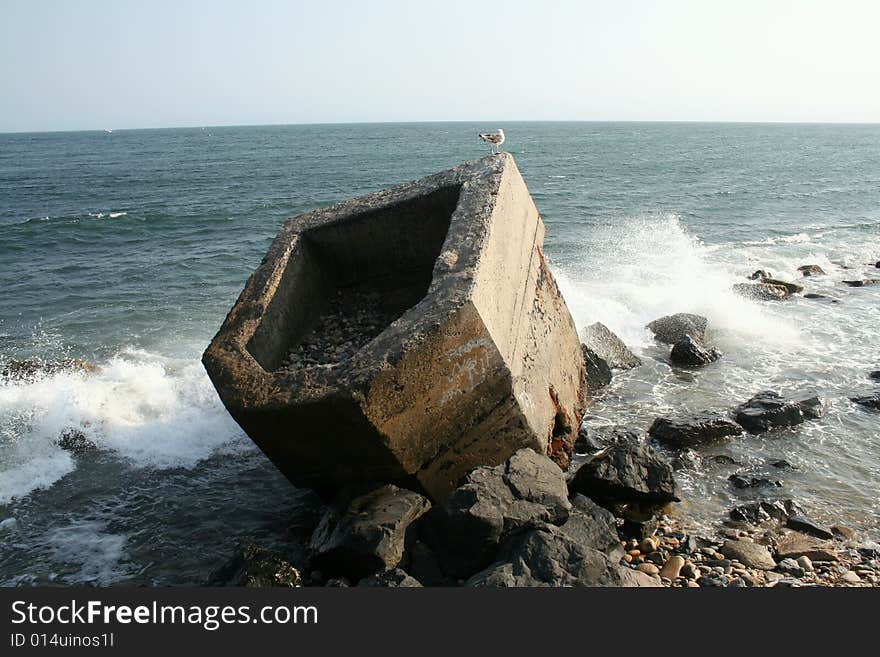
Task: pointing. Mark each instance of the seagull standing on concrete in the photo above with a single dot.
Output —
(495, 139)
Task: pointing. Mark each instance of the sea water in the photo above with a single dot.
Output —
(128, 248)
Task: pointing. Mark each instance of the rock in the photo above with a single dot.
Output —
(740, 481)
(390, 579)
(862, 283)
(813, 295)
(481, 359)
(610, 348)
(692, 431)
(752, 555)
(648, 568)
(811, 270)
(762, 291)
(875, 375)
(626, 472)
(545, 556)
(721, 459)
(782, 464)
(768, 410)
(598, 372)
(791, 288)
(672, 328)
(807, 526)
(672, 568)
(850, 577)
(760, 275)
(758, 512)
(804, 562)
(842, 532)
(28, 369)
(868, 401)
(688, 353)
(790, 567)
(795, 545)
(253, 566)
(369, 535)
(690, 571)
(74, 440)
(593, 439)
(493, 502)
(589, 525)
(648, 545)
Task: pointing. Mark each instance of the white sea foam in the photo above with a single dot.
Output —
(98, 554)
(153, 411)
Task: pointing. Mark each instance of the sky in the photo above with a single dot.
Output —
(87, 64)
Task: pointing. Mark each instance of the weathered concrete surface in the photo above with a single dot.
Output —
(482, 359)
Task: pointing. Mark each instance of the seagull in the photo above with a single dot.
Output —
(495, 139)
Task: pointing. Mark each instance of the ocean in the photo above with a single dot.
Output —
(127, 248)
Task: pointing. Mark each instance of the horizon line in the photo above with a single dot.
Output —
(426, 122)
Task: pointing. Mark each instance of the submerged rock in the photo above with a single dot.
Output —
(598, 372)
(610, 348)
(27, 369)
(74, 440)
(760, 275)
(757, 512)
(868, 401)
(811, 270)
(253, 566)
(762, 291)
(769, 410)
(791, 288)
(490, 504)
(687, 352)
(875, 375)
(741, 481)
(628, 471)
(546, 556)
(672, 328)
(862, 282)
(368, 536)
(689, 432)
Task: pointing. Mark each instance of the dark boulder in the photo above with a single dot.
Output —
(806, 526)
(672, 328)
(627, 472)
(791, 288)
(490, 504)
(605, 344)
(757, 512)
(369, 535)
(590, 525)
(395, 578)
(868, 401)
(742, 481)
(74, 440)
(253, 566)
(811, 270)
(760, 275)
(598, 372)
(546, 556)
(875, 375)
(593, 439)
(762, 291)
(768, 410)
(692, 431)
(687, 352)
(862, 282)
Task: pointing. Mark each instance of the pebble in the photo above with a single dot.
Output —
(851, 577)
(673, 566)
(648, 568)
(805, 563)
(690, 571)
(648, 545)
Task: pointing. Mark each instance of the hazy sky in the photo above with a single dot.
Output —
(85, 64)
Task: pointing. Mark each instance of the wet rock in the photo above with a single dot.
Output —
(672, 328)
(811, 270)
(757, 512)
(791, 288)
(28, 369)
(598, 372)
(592, 526)
(721, 459)
(490, 504)
(749, 554)
(760, 275)
(689, 432)
(790, 567)
(688, 353)
(795, 545)
(741, 481)
(842, 532)
(807, 526)
(545, 556)
(782, 464)
(862, 282)
(74, 440)
(593, 439)
(605, 344)
(868, 401)
(628, 471)
(813, 295)
(762, 291)
(369, 535)
(391, 579)
(875, 375)
(768, 410)
(253, 566)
